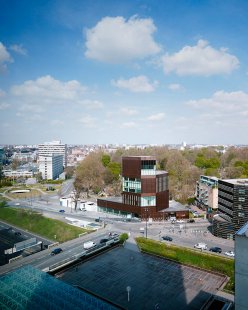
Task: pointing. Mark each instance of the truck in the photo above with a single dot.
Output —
(89, 245)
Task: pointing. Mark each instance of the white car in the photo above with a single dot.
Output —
(230, 253)
(180, 221)
(201, 246)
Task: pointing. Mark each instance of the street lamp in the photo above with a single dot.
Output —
(146, 209)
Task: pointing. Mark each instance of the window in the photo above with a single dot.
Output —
(242, 199)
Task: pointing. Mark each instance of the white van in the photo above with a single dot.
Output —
(201, 246)
(89, 245)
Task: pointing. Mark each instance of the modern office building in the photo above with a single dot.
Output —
(207, 194)
(54, 147)
(51, 166)
(241, 268)
(145, 192)
(232, 207)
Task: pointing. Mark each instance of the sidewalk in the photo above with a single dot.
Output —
(130, 244)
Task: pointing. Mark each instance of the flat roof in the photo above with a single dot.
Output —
(141, 157)
(174, 206)
(237, 181)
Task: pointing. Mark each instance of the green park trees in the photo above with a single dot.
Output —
(101, 172)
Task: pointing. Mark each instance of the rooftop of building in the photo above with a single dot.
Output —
(237, 181)
(175, 206)
(141, 157)
(243, 231)
(210, 177)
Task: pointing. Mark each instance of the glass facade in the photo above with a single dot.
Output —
(148, 201)
(131, 185)
(148, 167)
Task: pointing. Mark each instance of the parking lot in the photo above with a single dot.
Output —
(154, 283)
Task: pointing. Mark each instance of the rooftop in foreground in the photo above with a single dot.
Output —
(30, 288)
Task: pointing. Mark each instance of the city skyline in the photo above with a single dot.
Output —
(126, 72)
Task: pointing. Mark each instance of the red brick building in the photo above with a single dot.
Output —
(145, 192)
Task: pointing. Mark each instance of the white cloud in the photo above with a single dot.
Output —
(46, 90)
(92, 104)
(201, 59)
(116, 40)
(56, 122)
(129, 125)
(156, 117)
(4, 57)
(32, 108)
(19, 49)
(128, 111)
(4, 106)
(2, 93)
(223, 101)
(175, 87)
(136, 84)
(88, 121)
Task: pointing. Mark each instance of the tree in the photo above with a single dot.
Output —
(105, 160)
(89, 174)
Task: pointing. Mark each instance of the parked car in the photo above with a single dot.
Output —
(180, 221)
(61, 211)
(17, 233)
(230, 253)
(104, 240)
(215, 249)
(191, 221)
(201, 246)
(167, 238)
(56, 251)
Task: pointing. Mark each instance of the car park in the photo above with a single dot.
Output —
(167, 238)
(215, 249)
(56, 251)
(230, 253)
(201, 246)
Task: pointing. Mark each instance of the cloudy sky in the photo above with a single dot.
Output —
(124, 71)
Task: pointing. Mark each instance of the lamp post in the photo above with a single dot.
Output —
(146, 209)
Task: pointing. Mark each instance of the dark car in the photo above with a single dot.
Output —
(56, 251)
(104, 240)
(191, 221)
(215, 249)
(17, 233)
(61, 211)
(167, 238)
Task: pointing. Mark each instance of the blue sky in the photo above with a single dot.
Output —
(129, 72)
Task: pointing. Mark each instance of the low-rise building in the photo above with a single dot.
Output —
(207, 194)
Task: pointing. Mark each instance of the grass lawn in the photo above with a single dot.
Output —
(36, 223)
(190, 257)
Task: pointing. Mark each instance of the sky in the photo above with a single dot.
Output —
(124, 72)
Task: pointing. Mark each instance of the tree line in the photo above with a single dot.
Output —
(100, 173)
